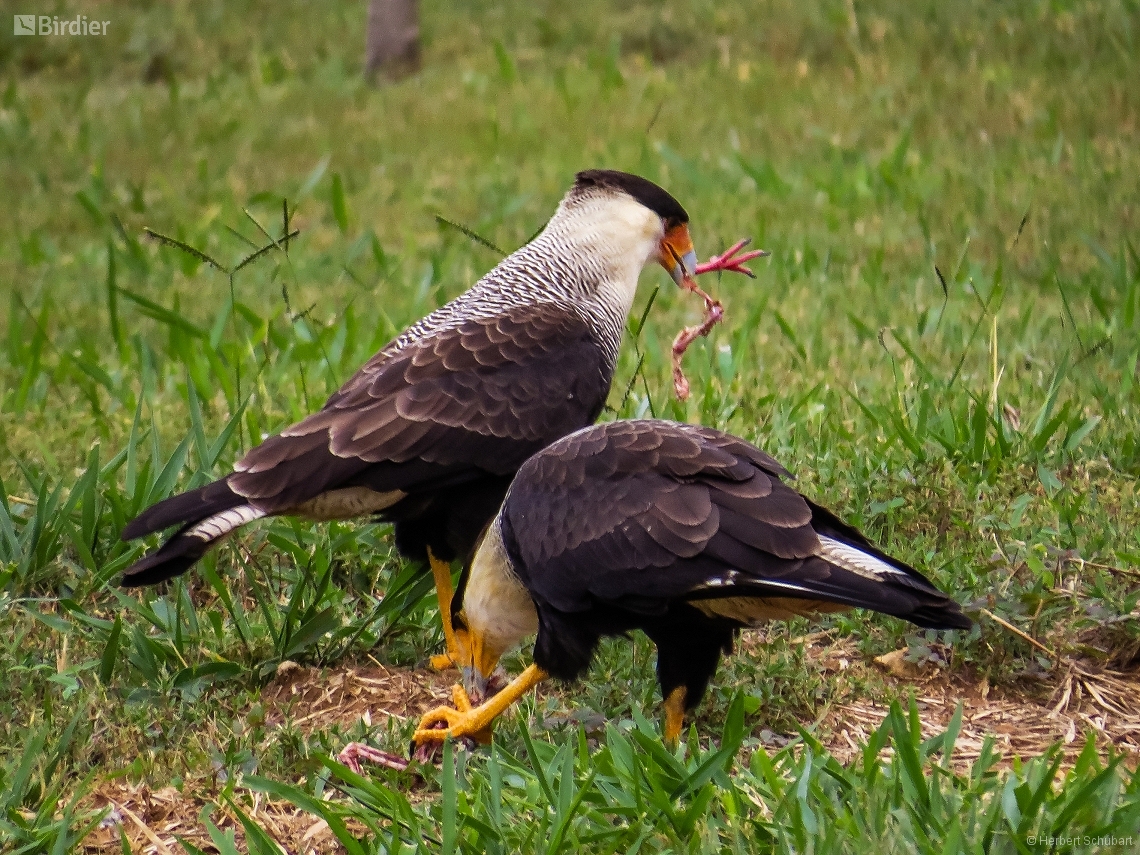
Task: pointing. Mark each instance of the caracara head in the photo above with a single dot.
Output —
(493, 613)
(626, 222)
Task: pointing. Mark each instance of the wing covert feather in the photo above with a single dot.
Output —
(603, 511)
(479, 398)
(636, 515)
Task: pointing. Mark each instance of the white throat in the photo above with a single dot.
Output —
(618, 234)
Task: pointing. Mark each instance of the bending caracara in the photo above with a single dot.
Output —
(430, 431)
(684, 532)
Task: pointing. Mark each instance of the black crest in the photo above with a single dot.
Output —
(641, 189)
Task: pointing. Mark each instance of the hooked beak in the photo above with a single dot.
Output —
(479, 667)
(474, 682)
(677, 255)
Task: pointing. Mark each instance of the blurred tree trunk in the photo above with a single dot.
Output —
(393, 39)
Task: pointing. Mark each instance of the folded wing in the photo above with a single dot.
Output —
(642, 514)
(458, 410)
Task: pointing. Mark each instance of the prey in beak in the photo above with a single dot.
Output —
(676, 254)
(678, 257)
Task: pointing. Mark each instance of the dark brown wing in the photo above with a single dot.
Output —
(479, 398)
(625, 511)
(455, 411)
(637, 515)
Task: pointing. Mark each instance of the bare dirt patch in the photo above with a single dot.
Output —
(310, 699)
(1077, 698)
(156, 821)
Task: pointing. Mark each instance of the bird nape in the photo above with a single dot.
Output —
(429, 432)
(684, 532)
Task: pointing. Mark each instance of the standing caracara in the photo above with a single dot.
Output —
(430, 431)
(681, 531)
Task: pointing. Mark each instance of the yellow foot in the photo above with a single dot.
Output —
(458, 654)
(443, 722)
(463, 720)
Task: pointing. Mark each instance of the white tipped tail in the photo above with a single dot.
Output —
(223, 523)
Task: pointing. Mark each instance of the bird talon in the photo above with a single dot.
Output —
(441, 715)
(439, 724)
(460, 699)
(447, 723)
(442, 662)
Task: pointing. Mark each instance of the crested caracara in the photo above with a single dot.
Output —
(684, 532)
(430, 431)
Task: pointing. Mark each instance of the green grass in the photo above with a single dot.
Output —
(943, 347)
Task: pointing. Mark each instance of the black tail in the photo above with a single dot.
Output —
(907, 594)
(175, 557)
(205, 516)
(189, 507)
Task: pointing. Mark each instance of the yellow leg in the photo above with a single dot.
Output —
(441, 571)
(475, 721)
(674, 715)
